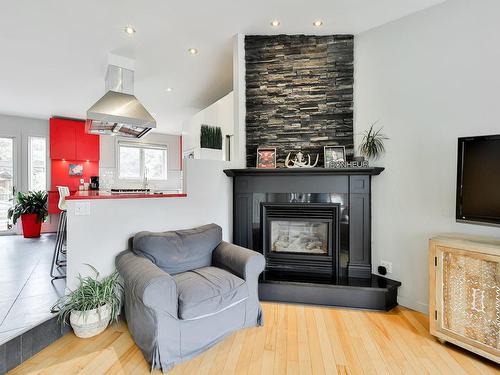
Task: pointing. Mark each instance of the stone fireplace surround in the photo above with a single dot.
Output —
(340, 198)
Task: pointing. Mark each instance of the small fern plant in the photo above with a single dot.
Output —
(372, 143)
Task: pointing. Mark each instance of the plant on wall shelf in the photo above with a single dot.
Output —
(211, 137)
(372, 143)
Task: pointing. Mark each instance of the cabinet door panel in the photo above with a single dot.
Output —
(87, 145)
(469, 299)
(62, 139)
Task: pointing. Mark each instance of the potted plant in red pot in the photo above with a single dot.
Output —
(31, 207)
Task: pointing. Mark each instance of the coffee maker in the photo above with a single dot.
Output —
(94, 183)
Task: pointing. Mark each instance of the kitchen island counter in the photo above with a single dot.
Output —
(100, 224)
(103, 194)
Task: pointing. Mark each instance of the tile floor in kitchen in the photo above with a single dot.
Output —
(27, 291)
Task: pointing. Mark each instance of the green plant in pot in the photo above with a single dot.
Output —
(92, 305)
(211, 137)
(372, 143)
(31, 207)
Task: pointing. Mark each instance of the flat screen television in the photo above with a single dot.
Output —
(478, 180)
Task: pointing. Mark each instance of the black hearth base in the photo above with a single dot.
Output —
(375, 293)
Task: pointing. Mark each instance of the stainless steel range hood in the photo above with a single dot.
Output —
(119, 112)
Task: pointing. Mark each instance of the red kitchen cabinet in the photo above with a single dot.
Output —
(69, 144)
(69, 141)
(62, 139)
(87, 145)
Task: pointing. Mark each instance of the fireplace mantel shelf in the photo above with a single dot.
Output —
(372, 171)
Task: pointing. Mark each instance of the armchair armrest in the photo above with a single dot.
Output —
(244, 263)
(147, 283)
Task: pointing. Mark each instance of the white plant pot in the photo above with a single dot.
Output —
(90, 323)
(210, 154)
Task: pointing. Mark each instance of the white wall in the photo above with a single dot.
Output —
(429, 78)
(108, 162)
(220, 113)
(97, 238)
(20, 128)
(239, 90)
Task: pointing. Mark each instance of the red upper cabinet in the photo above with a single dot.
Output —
(69, 141)
(87, 145)
(62, 139)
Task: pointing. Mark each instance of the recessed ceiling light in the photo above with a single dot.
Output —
(193, 51)
(168, 89)
(275, 23)
(318, 23)
(129, 30)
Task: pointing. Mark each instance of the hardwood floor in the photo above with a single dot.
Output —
(294, 340)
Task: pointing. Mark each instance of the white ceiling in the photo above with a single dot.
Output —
(53, 53)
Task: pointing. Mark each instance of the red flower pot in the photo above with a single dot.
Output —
(31, 225)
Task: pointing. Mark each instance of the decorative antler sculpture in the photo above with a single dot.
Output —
(299, 161)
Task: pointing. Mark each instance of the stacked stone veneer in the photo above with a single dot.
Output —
(299, 94)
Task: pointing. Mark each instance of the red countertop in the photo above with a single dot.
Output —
(100, 194)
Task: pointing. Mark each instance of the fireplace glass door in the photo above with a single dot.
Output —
(293, 236)
(301, 237)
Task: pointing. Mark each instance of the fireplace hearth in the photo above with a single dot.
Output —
(314, 228)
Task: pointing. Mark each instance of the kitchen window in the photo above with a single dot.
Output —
(142, 161)
(37, 163)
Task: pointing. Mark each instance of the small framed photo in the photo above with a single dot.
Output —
(334, 155)
(266, 157)
(76, 169)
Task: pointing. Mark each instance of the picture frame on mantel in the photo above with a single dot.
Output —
(266, 157)
(333, 155)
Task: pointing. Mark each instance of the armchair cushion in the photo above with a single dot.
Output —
(208, 290)
(179, 251)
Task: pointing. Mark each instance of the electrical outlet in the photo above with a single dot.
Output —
(387, 265)
(82, 208)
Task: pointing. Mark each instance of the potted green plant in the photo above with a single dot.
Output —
(31, 207)
(372, 143)
(210, 142)
(92, 305)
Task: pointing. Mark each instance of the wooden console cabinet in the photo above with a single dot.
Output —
(464, 293)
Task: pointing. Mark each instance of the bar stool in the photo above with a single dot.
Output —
(59, 250)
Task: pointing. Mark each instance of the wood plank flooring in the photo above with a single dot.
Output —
(294, 340)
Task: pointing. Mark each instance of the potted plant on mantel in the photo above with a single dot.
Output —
(210, 142)
(31, 207)
(92, 306)
(372, 143)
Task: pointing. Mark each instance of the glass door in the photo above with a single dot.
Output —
(7, 180)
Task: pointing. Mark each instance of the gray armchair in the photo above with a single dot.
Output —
(186, 290)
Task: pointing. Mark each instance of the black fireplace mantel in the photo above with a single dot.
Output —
(350, 189)
(372, 171)
(352, 184)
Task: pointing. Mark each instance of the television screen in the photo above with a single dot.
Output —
(478, 179)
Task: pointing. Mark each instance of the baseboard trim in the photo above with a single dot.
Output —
(411, 304)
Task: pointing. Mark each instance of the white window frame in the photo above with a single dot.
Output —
(30, 174)
(142, 167)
